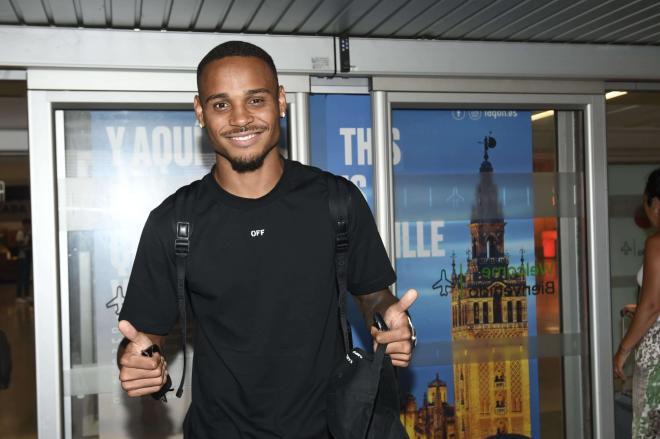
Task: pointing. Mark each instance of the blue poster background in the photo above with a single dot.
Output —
(341, 137)
(437, 155)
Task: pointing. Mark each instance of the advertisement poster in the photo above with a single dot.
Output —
(465, 239)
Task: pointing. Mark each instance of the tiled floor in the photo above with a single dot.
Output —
(18, 408)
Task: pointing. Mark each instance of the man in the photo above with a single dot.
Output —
(260, 273)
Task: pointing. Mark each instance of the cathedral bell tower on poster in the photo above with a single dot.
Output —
(489, 301)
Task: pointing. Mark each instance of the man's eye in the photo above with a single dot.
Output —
(220, 105)
(256, 101)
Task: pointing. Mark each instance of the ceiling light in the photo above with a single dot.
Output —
(615, 94)
(543, 114)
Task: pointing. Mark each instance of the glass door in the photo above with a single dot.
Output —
(114, 164)
(488, 223)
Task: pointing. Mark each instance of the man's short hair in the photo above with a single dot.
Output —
(235, 48)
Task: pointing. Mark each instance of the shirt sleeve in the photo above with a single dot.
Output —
(369, 268)
(150, 303)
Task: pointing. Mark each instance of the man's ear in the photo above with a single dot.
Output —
(281, 100)
(199, 111)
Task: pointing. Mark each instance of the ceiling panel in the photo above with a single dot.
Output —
(380, 12)
(296, 16)
(583, 21)
(324, 15)
(34, 12)
(633, 30)
(184, 14)
(124, 14)
(551, 21)
(459, 15)
(268, 15)
(211, 14)
(653, 38)
(619, 23)
(402, 14)
(93, 13)
(524, 21)
(7, 14)
(155, 13)
(240, 14)
(426, 17)
(516, 10)
(347, 18)
(636, 35)
(576, 19)
(601, 16)
(64, 13)
(478, 18)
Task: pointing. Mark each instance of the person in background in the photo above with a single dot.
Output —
(24, 247)
(644, 330)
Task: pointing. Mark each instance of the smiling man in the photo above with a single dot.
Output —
(260, 274)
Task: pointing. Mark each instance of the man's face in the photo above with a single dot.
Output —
(240, 104)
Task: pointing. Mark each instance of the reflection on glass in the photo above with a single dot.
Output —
(476, 234)
(117, 166)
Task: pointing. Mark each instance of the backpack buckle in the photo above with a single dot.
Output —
(182, 241)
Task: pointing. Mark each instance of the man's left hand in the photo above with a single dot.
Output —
(399, 335)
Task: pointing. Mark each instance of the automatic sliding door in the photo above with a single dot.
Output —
(485, 227)
(113, 168)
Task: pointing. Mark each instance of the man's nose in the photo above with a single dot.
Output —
(240, 116)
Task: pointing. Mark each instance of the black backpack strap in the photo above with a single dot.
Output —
(339, 200)
(183, 209)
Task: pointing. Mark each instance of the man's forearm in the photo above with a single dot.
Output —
(375, 302)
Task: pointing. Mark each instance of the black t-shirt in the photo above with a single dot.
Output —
(261, 283)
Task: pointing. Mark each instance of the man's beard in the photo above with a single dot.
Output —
(246, 164)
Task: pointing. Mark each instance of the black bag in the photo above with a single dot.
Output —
(5, 362)
(363, 395)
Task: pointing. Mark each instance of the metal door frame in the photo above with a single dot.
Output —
(596, 217)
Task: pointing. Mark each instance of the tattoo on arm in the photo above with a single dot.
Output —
(375, 302)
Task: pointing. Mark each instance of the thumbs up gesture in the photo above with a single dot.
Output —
(139, 373)
(399, 337)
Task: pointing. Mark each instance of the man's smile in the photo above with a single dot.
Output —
(245, 137)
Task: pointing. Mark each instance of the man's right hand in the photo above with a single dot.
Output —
(140, 375)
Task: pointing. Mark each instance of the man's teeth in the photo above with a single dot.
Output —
(246, 137)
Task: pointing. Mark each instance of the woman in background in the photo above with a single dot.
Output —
(644, 330)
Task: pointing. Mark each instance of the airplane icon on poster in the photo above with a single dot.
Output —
(117, 301)
(454, 198)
